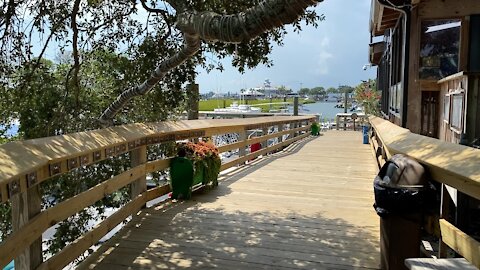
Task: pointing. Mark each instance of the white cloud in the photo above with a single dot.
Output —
(323, 57)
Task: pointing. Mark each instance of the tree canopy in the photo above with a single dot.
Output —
(143, 40)
(66, 64)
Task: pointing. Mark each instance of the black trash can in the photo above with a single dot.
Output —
(402, 195)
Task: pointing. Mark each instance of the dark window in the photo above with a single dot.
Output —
(439, 48)
(429, 117)
(474, 50)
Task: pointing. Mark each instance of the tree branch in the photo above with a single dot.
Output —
(211, 26)
(162, 12)
(243, 26)
(178, 5)
(191, 47)
(76, 60)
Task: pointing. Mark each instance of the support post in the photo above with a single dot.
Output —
(280, 129)
(337, 119)
(193, 95)
(295, 106)
(241, 138)
(138, 157)
(265, 143)
(25, 206)
(444, 212)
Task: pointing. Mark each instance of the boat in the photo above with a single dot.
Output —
(242, 108)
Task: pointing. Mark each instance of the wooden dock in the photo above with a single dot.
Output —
(307, 207)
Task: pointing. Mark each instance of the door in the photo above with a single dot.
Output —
(430, 100)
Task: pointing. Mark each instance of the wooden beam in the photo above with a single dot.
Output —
(157, 192)
(157, 165)
(20, 240)
(83, 243)
(232, 146)
(463, 244)
(261, 152)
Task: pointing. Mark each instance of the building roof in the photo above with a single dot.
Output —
(383, 18)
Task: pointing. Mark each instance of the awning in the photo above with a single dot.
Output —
(376, 52)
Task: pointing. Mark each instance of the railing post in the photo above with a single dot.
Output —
(295, 106)
(265, 143)
(444, 211)
(337, 119)
(242, 136)
(138, 157)
(193, 95)
(292, 134)
(280, 129)
(25, 206)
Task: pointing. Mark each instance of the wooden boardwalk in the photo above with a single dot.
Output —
(308, 207)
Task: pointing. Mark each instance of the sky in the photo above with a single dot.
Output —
(331, 55)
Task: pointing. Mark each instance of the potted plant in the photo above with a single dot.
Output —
(315, 129)
(196, 163)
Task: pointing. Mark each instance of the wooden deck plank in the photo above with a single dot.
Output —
(309, 207)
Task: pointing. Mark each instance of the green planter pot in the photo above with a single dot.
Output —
(181, 177)
(199, 176)
(315, 129)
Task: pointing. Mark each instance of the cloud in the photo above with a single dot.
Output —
(323, 57)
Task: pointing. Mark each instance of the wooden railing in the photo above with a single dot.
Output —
(26, 164)
(451, 164)
(350, 121)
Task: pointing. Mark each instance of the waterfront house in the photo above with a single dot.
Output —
(428, 58)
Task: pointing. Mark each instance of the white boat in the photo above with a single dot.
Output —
(242, 108)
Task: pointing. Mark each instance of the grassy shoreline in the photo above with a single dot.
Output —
(210, 105)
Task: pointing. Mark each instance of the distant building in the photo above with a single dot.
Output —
(268, 89)
(251, 94)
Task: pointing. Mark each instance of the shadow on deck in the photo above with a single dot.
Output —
(308, 207)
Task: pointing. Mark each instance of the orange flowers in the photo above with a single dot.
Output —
(200, 150)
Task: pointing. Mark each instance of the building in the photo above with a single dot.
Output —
(428, 58)
(268, 90)
(251, 94)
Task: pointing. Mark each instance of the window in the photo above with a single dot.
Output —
(457, 111)
(446, 108)
(439, 49)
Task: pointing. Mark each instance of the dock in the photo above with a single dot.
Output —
(306, 207)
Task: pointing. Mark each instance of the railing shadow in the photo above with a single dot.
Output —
(190, 236)
(204, 234)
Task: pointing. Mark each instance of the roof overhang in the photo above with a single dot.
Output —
(383, 18)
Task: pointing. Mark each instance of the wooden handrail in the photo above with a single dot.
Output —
(448, 163)
(451, 164)
(463, 244)
(48, 151)
(24, 164)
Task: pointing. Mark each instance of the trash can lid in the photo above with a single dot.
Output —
(404, 171)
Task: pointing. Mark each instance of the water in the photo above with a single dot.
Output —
(325, 109)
